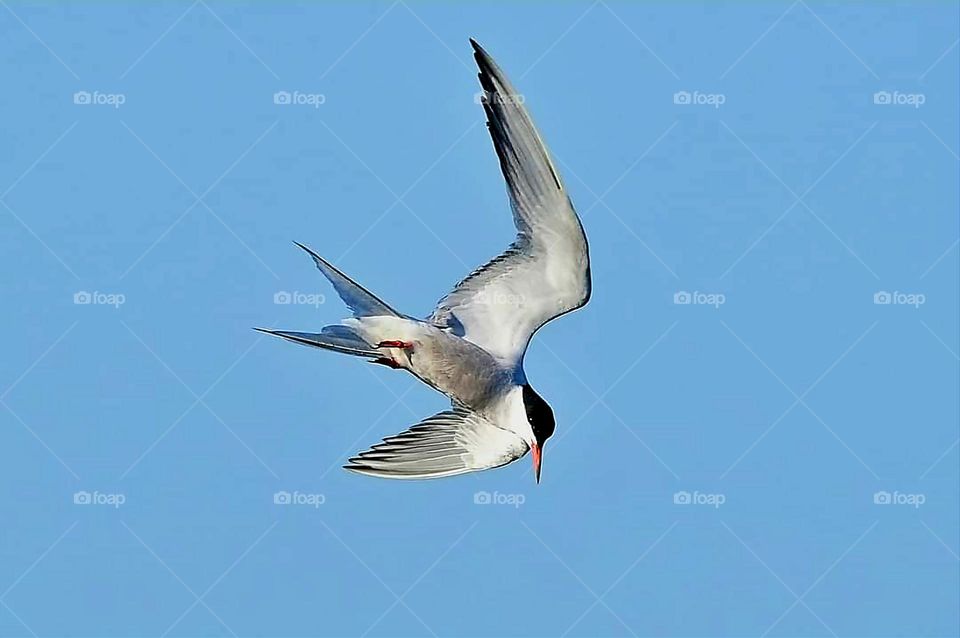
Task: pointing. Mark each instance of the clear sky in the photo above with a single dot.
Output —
(788, 169)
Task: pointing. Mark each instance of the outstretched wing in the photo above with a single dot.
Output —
(546, 271)
(456, 441)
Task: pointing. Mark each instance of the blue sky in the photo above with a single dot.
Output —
(757, 412)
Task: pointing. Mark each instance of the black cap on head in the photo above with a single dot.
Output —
(539, 415)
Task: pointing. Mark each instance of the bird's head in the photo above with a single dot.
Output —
(540, 419)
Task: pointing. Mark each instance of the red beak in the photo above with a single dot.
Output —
(537, 458)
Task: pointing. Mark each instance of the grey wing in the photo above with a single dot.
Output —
(546, 271)
(452, 442)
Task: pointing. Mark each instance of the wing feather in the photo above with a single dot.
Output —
(545, 272)
(452, 442)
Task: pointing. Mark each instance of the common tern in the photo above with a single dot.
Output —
(471, 347)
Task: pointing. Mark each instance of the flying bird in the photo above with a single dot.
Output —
(471, 347)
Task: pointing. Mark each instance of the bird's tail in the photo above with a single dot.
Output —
(338, 338)
(341, 338)
(361, 301)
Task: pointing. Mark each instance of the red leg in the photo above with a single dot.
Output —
(406, 345)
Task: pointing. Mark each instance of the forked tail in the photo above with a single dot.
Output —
(338, 337)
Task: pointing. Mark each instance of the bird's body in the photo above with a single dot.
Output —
(471, 347)
(463, 371)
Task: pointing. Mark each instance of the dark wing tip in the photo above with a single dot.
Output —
(307, 250)
(361, 469)
(485, 63)
(317, 259)
(483, 59)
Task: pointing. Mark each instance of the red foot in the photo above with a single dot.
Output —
(406, 345)
(384, 361)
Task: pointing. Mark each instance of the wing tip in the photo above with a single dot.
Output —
(488, 68)
(476, 46)
(309, 251)
(319, 261)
